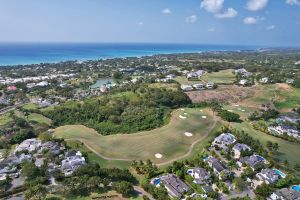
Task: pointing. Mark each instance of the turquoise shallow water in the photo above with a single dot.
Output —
(33, 53)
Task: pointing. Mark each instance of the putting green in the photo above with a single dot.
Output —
(169, 141)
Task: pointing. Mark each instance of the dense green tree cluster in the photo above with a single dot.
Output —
(142, 108)
(229, 116)
(265, 114)
(147, 168)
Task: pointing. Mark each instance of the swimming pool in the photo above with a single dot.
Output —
(190, 171)
(205, 158)
(156, 181)
(279, 173)
(260, 158)
(296, 187)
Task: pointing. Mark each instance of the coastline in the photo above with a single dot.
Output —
(26, 54)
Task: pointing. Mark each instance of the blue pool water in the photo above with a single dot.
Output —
(190, 171)
(279, 173)
(260, 158)
(296, 187)
(156, 181)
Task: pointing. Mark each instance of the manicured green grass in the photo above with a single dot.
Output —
(287, 150)
(170, 140)
(92, 157)
(243, 111)
(183, 80)
(224, 76)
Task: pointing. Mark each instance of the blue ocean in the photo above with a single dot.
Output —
(34, 53)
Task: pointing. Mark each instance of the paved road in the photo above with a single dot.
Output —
(10, 108)
(142, 192)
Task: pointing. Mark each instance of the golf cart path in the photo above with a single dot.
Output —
(211, 127)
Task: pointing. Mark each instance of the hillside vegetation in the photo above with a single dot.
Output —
(134, 109)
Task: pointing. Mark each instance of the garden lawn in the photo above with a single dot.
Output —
(224, 76)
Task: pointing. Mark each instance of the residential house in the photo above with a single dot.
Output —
(175, 187)
(210, 85)
(224, 140)
(195, 74)
(268, 176)
(11, 88)
(29, 145)
(285, 194)
(171, 76)
(200, 175)
(243, 72)
(73, 160)
(207, 189)
(253, 161)
(199, 86)
(290, 119)
(281, 129)
(289, 81)
(218, 167)
(243, 82)
(186, 87)
(239, 148)
(264, 80)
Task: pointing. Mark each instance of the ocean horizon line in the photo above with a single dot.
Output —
(15, 54)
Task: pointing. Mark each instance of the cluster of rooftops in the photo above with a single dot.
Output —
(178, 188)
(31, 150)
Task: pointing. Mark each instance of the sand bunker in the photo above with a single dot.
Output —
(236, 105)
(230, 110)
(182, 109)
(201, 110)
(243, 110)
(185, 113)
(204, 117)
(158, 155)
(182, 117)
(188, 134)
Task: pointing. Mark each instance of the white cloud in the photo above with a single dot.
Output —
(250, 20)
(293, 2)
(211, 29)
(271, 27)
(253, 20)
(255, 5)
(166, 11)
(213, 6)
(229, 13)
(191, 19)
(140, 23)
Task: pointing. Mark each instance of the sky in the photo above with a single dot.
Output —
(235, 22)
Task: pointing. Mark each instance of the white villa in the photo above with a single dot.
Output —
(224, 140)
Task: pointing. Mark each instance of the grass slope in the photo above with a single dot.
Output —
(169, 140)
(284, 96)
(287, 150)
(224, 76)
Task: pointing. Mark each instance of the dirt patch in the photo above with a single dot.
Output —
(230, 93)
(284, 86)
